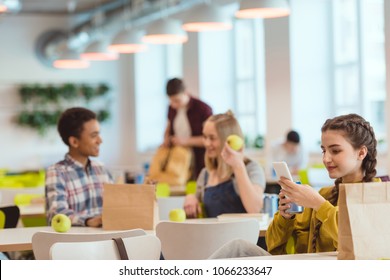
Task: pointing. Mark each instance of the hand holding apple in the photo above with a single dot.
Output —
(235, 142)
(61, 223)
(177, 215)
(235, 159)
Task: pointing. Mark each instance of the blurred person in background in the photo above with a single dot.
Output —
(186, 115)
(291, 151)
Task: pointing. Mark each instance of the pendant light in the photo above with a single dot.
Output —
(97, 50)
(128, 41)
(3, 7)
(165, 31)
(10, 6)
(263, 9)
(206, 17)
(70, 60)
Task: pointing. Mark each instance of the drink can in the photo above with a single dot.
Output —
(139, 178)
(295, 208)
(271, 203)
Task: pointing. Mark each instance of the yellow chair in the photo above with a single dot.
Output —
(3, 171)
(303, 176)
(2, 219)
(24, 199)
(318, 165)
(163, 190)
(24, 179)
(191, 187)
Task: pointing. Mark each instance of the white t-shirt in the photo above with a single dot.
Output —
(181, 125)
(297, 160)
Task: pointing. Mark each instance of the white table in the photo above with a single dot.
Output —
(32, 211)
(20, 238)
(38, 210)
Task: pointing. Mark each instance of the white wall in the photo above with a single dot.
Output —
(277, 82)
(22, 148)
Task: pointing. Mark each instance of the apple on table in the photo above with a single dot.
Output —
(61, 223)
(177, 215)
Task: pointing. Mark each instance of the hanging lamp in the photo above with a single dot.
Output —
(97, 50)
(128, 41)
(206, 17)
(165, 31)
(3, 7)
(263, 9)
(10, 6)
(70, 60)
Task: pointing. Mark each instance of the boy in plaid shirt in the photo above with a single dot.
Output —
(74, 185)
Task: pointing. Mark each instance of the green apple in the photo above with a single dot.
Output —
(61, 223)
(235, 142)
(177, 215)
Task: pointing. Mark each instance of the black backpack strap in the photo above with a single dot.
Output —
(121, 248)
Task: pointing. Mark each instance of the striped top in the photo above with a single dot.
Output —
(74, 190)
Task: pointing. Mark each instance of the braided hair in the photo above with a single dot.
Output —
(358, 132)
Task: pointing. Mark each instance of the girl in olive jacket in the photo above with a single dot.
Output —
(349, 154)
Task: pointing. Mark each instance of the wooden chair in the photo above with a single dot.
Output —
(42, 241)
(146, 247)
(196, 240)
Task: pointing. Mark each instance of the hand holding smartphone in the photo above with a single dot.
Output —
(281, 170)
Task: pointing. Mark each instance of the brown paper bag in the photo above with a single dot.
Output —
(364, 224)
(127, 206)
(171, 165)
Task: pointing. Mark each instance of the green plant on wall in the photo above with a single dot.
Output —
(43, 104)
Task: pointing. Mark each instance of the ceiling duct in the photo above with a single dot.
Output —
(145, 12)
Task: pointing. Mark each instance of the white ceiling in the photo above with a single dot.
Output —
(63, 6)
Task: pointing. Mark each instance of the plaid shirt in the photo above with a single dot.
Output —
(74, 190)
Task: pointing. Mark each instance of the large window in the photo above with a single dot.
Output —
(153, 69)
(338, 64)
(249, 78)
(359, 60)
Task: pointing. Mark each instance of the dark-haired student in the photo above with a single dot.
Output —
(291, 151)
(74, 185)
(186, 115)
(348, 146)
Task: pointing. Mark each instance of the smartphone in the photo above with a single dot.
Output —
(281, 170)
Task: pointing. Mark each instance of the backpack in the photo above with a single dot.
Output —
(171, 165)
